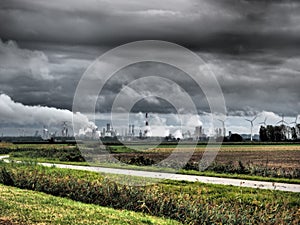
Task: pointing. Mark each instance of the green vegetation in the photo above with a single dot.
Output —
(63, 154)
(20, 147)
(29, 207)
(240, 176)
(189, 203)
(239, 168)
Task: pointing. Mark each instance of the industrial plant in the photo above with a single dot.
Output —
(280, 131)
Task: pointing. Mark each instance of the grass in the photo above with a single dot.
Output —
(189, 203)
(240, 176)
(29, 207)
(28, 146)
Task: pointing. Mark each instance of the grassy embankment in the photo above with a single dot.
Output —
(189, 203)
(29, 207)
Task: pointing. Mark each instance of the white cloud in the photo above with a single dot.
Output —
(18, 114)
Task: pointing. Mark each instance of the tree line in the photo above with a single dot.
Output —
(279, 133)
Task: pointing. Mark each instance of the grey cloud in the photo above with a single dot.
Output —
(262, 86)
(252, 47)
(219, 25)
(42, 76)
(15, 62)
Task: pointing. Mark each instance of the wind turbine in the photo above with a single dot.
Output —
(251, 122)
(264, 123)
(282, 121)
(284, 128)
(223, 126)
(295, 122)
(64, 131)
(66, 128)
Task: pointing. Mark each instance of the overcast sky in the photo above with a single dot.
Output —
(253, 48)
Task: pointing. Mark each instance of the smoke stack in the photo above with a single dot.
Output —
(132, 132)
(147, 131)
(108, 127)
(147, 123)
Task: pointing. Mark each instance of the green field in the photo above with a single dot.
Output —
(28, 207)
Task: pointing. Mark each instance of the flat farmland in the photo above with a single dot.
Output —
(262, 160)
(278, 156)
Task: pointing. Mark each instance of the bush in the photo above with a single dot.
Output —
(6, 177)
(141, 161)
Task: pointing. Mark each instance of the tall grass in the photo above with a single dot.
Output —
(189, 203)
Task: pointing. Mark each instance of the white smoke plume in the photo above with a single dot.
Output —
(12, 112)
(178, 134)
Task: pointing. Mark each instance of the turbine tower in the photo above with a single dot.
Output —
(251, 122)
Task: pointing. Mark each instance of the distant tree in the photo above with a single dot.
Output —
(236, 138)
(294, 133)
(279, 133)
(263, 134)
(270, 133)
(297, 129)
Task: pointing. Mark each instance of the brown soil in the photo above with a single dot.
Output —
(7, 221)
(271, 156)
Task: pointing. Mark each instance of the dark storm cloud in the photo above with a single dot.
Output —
(251, 46)
(250, 86)
(256, 83)
(223, 25)
(47, 75)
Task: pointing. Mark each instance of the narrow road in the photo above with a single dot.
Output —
(191, 178)
(3, 156)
